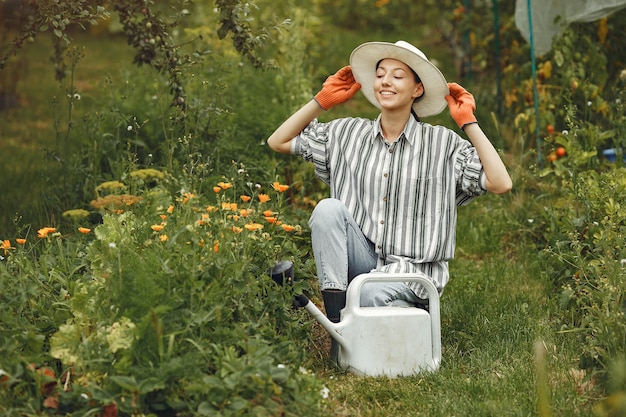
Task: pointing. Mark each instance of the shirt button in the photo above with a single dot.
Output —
(382, 222)
(385, 175)
(385, 198)
(390, 150)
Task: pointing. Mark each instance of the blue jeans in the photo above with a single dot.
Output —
(342, 252)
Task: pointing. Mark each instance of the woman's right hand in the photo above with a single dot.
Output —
(337, 89)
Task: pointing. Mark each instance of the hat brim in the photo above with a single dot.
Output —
(363, 62)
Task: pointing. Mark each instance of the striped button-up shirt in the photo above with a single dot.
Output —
(404, 194)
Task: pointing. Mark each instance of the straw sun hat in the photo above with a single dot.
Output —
(363, 61)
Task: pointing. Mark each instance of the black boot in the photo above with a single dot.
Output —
(334, 301)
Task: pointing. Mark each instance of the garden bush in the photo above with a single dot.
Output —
(166, 306)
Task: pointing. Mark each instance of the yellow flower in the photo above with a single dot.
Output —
(224, 185)
(187, 197)
(264, 198)
(5, 245)
(84, 230)
(245, 212)
(211, 209)
(253, 226)
(279, 187)
(163, 216)
(157, 227)
(245, 198)
(76, 214)
(236, 229)
(111, 186)
(163, 238)
(170, 209)
(147, 174)
(45, 231)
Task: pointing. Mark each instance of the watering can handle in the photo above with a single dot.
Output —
(353, 300)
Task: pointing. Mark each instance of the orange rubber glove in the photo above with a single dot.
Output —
(461, 104)
(337, 89)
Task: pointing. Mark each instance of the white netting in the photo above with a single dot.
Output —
(549, 16)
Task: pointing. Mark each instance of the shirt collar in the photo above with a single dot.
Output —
(407, 132)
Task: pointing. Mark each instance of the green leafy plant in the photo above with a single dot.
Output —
(169, 305)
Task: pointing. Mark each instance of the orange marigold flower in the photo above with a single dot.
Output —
(6, 245)
(45, 231)
(270, 219)
(163, 238)
(264, 198)
(170, 209)
(216, 247)
(157, 227)
(268, 213)
(245, 198)
(84, 230)
(253, 226)
(224, 185)
(163, 216)
(187, 196)
(236, 229)
(229, 206)
(279, 187)
(211, 209)
(288, 228)
(115, 202)
(245, 212)
(20, 241)
(217, 189)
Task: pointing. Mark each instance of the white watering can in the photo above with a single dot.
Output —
(391, 341)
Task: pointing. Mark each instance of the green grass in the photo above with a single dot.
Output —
(490, 325)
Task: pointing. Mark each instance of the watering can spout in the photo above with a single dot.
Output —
(283, 273)
(332, 328)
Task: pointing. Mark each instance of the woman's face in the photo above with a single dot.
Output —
(395, 85)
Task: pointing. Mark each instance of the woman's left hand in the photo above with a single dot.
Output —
(461, 104)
